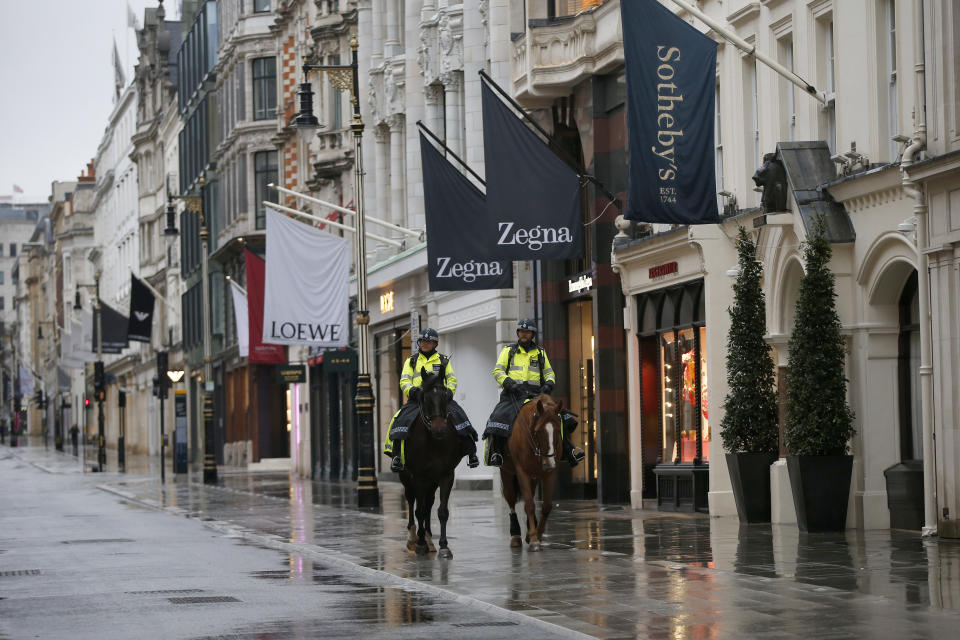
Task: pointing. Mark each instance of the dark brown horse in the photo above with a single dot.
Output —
(533, 447)
(432, 452)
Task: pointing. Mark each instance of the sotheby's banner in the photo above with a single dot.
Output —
(306, 300)
(456, 210)
(671, 80)
(533, 197)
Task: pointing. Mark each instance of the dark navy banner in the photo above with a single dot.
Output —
(671, 80)
(114, 326)
(457, 226)
(532, 195)
(141, 311)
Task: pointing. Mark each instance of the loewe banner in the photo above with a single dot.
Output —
(458, 256)
(306, 299)
(533, 197)
(671, 79)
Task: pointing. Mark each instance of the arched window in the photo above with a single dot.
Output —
(908, 372)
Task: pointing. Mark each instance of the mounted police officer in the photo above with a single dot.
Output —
(427, 357)
(523, 371)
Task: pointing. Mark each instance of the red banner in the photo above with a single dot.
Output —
(259, 352)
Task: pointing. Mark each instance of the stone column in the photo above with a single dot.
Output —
(453, 102)
(433, 97)
(397, 175)
(391, 46)
(382, 168)
(377, 34)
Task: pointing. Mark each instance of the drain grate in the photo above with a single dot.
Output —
(19, 572)
(485, 624)
(97, 541)
(162, 592)
(202, 599)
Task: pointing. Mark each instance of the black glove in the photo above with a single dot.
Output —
(547, 388)
(413, 393)
(509, 384)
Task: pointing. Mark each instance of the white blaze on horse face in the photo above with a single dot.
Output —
(550, 462)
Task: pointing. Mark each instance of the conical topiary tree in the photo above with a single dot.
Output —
(749, 422)
(819, 420)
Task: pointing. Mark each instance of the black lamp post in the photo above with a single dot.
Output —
(345, 78)
(194, 204)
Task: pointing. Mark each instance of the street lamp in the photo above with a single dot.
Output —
(345, 78)
(99, 384)
(194, 204)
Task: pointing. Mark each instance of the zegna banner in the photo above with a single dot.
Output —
(305, 299)
(457, 221)
(533, 197)
(671, 80)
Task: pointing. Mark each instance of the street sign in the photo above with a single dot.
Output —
(291, 373)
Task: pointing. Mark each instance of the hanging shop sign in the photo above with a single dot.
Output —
(340, 360)
(291, 373)
(580, 283)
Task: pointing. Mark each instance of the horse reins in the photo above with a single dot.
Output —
(533, 440)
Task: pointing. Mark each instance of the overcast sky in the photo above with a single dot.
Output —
(56, 85)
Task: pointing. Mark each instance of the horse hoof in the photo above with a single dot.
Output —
(422, 549)
(516, 542)
(534, 546)
(411, 545)
(445, 553)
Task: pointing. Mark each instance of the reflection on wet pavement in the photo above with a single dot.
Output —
(614, 572)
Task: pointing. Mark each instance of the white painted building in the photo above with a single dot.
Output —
(869, 58)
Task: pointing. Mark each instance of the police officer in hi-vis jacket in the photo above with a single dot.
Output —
(427, 357)
(523, 371)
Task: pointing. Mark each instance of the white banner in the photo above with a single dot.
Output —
(243, 322)
(305, 298)
(82, 333)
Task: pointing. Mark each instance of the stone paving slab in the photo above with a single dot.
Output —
(607, 572)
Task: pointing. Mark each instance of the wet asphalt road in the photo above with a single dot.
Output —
(609, 573)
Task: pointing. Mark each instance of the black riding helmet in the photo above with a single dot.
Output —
(428, 334)
(526, 324)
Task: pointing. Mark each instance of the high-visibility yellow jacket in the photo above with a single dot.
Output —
(411, 372)
(524, 366)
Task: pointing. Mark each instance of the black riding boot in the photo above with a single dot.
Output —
(571, 454)
(469, 448)
(497, 447)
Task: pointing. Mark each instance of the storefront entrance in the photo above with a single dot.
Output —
(582, 372)
(676, 431)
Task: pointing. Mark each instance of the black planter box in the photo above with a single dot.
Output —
(821, 490)
(750, 479)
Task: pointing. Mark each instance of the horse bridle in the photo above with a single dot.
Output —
(423, 414)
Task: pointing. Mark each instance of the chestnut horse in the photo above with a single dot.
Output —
(432, 452)
(533, 448)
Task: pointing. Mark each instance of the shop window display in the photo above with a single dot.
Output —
(682, 403)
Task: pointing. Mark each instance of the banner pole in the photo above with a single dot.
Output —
(744, 46)
(447, 149)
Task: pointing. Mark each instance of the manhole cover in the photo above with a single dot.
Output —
(162, 592)
(484, 624)
(202, 599)
(97, 541)
(20, 572)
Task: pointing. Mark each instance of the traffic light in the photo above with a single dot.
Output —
(156, 387)
(98, 382)
(86, 402)
(38, 398)
(121, 399)
(163, 382)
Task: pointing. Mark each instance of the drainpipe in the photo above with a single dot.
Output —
(916, 192)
